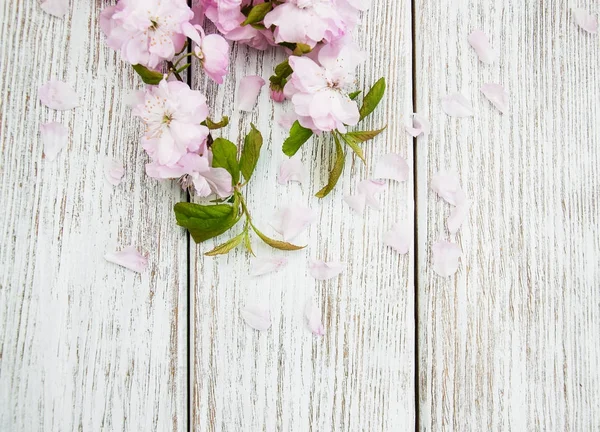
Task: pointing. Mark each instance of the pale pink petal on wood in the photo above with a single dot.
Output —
(446, 257)
(129, 258)
(262, 266)
(481, 44)
(257, 317)
(399, 237)
(248, 92)
(357, 202)
(54, 137)
(58, 8)
(456, 105)
(496, 94)
(286, 120)
(587, 22)
(417, 125)
(313, 318)
(392, 166)
(447, 185)
(292, 220)
(113, 171)
(291, 169)
(58, 95)
(322, 270)
(371, 188)
(457, 216)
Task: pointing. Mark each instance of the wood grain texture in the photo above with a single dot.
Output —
(511, 341)
(85, 344)
(360, 375)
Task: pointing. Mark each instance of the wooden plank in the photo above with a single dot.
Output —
(360, 375)
(510, 342)
(85, 344)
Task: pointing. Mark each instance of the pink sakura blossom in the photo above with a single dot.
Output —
(146, 32)
(57, 8)
(481, 44)
(445, 257)
(291, 169)
(129, 258)
(113, 171)
(257, 317)
(262, 266)
(292, 220)
(313, 318)
(496, 94)
(276, 95)
(54, 137)
(351, 9)
(212, 51)
(248, 92)
(399, 237)
(58, 95)
(322, 270)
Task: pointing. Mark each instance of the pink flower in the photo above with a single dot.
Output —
(172, 113)
(276, 94)
(211, 50)
(146, 32)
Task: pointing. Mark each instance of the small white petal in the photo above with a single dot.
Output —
(286, 120)
(129, 258)
(114, 171)
(392, 166)
(399, 237)
(447, 185)
(587, 22)
(370, 188)
(262, 266)
(418, 125)
(257, 317)
(291, 169)
(458, 216)
(54, 138)
(58, 8)
(134, 98)
(322, 270)
(496, 94)
(292, 220)
(248, 91)
(456, 105)
(446, 256)
(313, 318)
(357, 202)
(481, 44)
(58, 95)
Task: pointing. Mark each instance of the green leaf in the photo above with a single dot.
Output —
(148, 76)
(277, 244)
(298, 136)
(355, 138)
(301, 49)
(216, 125)
(257, 13)
(205, 222)
(226, 247)
(184, 67)
(284, 69)
(225, 156)
(336, 171)
(355, 147)
(251, 152)
(372, 98)
(248, 242)
(354, 95)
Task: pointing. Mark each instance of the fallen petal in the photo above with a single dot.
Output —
(456, 105)
(262, 266)
(58, 95)
(291, 170)
(458, 216)
(129, 258)
(292, 220)
(370, 188)
(445, 258)
(313, 318)
(54, 138)
(248, 91)
(114, 171)
(587, 22)
(418, 125)
(322, 270)
(58, 8)
(392, 166)
(399, 237)
(447, 185)
(357, 202)
(257, 317)
(481, 44)
(496, 95)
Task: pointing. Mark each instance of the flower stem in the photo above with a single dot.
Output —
(174, 71)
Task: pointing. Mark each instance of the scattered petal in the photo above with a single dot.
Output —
(357, 202)
(134, 98)
(313, 318)
(248, 91)
(114, 171)
(58, 8)
(58, 95)
(54, 138)
(370, 188)
(257, 317)
(286, 120)
(587, 22)
(418, 125)
(447, 185)
(291, 169)
(445, 257)
(399, 237)
(481, 44)
(322, 270)
(392, 166)
(262, 266)
(458, 216)
(496, 95)
(292, 220)
(129, 258)
(456, 105)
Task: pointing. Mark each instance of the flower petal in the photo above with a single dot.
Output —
(322, 270)
(418, 125)
(481, 44)
(587, 22)
(129, 258)
(248, 91)
(496, 94)
(114, 171)
(54, 138)
(257, 317)
(286, 120)
(291, 169)
(456, 105)
(392, 166)
(445, 257)
(370, 188)
(447, 185)
(261, 266)
(399, 237)
(313, 318)
(58, 95)
(58, 8)
(292, 220)
(357, 202)
(458, 215)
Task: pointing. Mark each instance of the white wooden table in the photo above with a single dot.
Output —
(508, 343)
